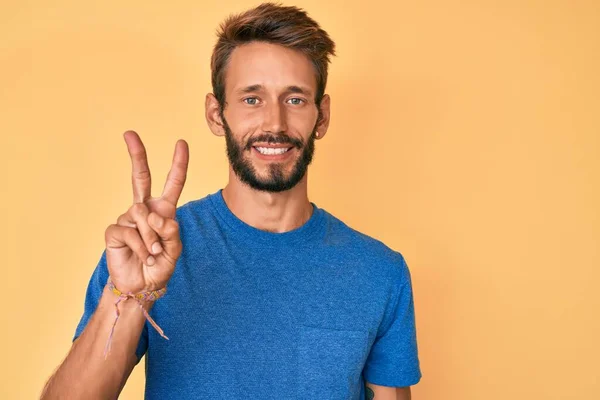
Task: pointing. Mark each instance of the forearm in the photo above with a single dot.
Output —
(85, 373)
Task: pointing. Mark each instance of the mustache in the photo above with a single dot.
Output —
(271, 139)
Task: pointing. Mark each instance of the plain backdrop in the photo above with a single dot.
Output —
(464, 134)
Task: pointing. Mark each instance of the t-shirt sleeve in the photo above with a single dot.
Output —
(92, 298)
(393, 360)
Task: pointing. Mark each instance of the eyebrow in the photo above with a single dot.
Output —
(289, 89)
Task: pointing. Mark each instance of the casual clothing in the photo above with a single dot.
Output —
(250, 314)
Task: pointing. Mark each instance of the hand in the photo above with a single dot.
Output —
(142, 248)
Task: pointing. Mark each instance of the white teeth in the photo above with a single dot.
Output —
(271, 150)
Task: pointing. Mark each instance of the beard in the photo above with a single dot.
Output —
(276, 180)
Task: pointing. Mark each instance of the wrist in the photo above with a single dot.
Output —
(126, 303)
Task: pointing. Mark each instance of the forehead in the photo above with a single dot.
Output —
(273, 66)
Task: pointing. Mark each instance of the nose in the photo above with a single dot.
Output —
(274, 118)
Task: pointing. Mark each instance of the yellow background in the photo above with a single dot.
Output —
(463, 134)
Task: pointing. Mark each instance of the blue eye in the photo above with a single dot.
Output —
(252, 101)
(296, 101)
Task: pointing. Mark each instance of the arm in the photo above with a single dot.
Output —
(135, 264)
(85, 373)
(376, 392)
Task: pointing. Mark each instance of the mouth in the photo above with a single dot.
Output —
(272, 152)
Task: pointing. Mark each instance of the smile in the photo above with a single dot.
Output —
(272, 150)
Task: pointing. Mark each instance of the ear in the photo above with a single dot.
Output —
(213, 115)
(323, 123)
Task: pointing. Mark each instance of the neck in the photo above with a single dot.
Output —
(273, 212)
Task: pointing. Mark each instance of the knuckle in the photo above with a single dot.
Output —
(171, 227)
(139, 209)
(143, 173)
(127, 234)
(130, 234)
(122, 218)
(109, 231)
(177, 180)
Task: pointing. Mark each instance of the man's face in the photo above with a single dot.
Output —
(270, 117)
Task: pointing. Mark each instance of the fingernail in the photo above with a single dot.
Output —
(156, 248)
(150, 260)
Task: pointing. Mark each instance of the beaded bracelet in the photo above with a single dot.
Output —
(139, 297)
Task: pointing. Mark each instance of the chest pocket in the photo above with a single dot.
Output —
(331, 362)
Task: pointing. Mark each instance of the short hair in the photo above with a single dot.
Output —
(287, 26)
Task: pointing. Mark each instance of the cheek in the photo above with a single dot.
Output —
(241, 127)
(302, 117)
(243, 121)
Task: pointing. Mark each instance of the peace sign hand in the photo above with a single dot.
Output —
(142, 248)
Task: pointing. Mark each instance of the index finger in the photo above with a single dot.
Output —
(140, 174)
(178, 173)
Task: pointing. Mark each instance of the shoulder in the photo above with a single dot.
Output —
(365, 247)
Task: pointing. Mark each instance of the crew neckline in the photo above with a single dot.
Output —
(302, 234)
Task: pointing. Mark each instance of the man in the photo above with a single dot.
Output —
(269, 296)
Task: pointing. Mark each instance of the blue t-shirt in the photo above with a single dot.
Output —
(250, 314)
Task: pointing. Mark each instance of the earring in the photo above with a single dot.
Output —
(317, 133)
